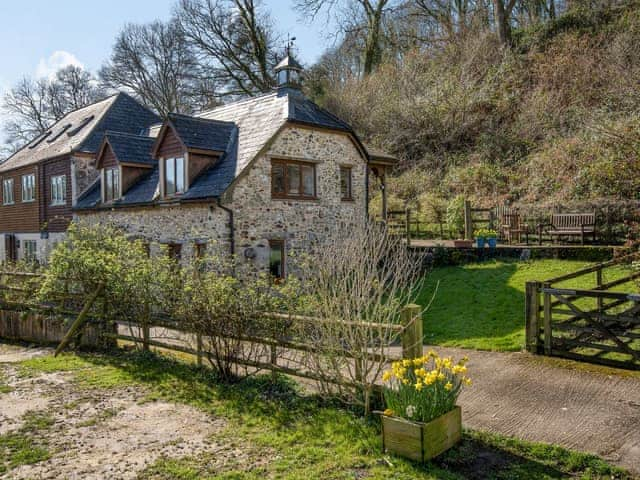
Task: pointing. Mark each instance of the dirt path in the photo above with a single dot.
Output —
(100, 433)
(554, 401)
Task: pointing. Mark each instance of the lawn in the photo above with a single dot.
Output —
(292, 435)
(481, 306)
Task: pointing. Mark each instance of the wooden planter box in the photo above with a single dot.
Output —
(421, 441)
(463, 243)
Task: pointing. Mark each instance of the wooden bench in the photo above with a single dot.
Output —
(573, 224)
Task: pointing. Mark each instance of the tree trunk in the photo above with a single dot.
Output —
(502, 22)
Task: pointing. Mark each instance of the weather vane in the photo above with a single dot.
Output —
(290, 41)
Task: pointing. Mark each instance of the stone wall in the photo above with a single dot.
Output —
(83, 173)
(300, 223)
(258, 218)
(185, 224)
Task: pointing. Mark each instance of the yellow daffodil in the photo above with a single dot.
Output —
(448, 386)
(386, 376)
(388, 412)
(419, 386)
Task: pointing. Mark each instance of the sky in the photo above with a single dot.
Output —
(40, 36)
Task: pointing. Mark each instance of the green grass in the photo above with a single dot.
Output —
(481, 306)
(25, 445)
(285, 434)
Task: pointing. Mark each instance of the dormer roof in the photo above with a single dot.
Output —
(128, 149)
(196, 134)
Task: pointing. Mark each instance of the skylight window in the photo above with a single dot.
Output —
(57, 135)
(39, 140)
(82, 124)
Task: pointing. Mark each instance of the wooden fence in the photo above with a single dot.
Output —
(600, 324)
(30, 321)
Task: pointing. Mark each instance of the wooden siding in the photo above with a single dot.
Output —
(130, 175)
(198, 164)
(21, 217)
(56, 217)
(108, 158)
(171, 146)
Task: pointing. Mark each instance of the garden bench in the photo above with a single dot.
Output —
(573, 224)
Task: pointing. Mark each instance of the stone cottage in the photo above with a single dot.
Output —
(258, 178)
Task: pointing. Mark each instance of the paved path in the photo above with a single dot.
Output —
(585, 408)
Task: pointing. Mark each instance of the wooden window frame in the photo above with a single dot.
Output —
(115, 188)
(295, 196)
(349, 170)
(11, 190)
(174, 250)
(282, 246)
(30, 188)
(30, 256)
(174, 160)
(200, 250)
(63, 190)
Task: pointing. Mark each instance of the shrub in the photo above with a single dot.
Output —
(455, 215)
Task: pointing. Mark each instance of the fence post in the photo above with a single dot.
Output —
(547, 322)
(145, 327)
(598, 287)
(468, 221)
(532, 316)
(412, 334)
(408, 222)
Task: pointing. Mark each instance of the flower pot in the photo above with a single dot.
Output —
(463, 243)
(421, 441)
(493, 242)
(480, 242)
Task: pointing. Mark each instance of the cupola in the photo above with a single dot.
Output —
(289, 71)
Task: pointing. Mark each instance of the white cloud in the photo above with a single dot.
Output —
(47, 67)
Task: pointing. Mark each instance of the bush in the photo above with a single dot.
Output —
(455, 215)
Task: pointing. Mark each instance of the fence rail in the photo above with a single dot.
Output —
(37, 322)
(596, 325)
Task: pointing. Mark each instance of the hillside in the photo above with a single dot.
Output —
(554, 120)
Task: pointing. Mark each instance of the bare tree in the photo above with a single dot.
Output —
(155, 63)
(360, 281)
(235, 43)
(33, 105)
(363, 16)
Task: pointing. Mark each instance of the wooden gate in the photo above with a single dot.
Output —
(596, 325)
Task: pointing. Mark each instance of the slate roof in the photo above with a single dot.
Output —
(202, 133)
(241, 130)
(259, 118)
(380, 155)
(130, 148)
(82, 130)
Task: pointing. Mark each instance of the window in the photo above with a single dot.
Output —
(111, 184)
(28, 188)
(58, 189)
(291, 179)
(276, 259)
(174, 176)
(345, 183)
(7, 191)
(175, 251)
(30, 250)
(200, 250)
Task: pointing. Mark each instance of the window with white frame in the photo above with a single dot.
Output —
(7, 191)
(111, 184)
(28, 187)
(174, 176)
(58, 189)
(30, 250)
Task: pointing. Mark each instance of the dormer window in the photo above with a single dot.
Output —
(111, 184)
(174, 176)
